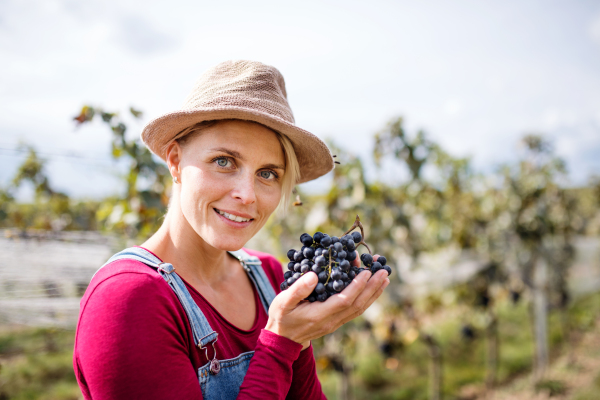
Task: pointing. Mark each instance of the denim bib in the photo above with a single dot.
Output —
(219, 379)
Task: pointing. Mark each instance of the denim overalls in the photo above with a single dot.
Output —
(219, 379)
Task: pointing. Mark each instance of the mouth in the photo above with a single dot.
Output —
(242, 220)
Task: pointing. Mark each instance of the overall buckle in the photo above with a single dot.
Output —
(215, 365)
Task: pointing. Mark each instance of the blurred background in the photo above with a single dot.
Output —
(468, 135)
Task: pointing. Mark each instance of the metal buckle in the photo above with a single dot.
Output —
(215, 365)
(162, 269)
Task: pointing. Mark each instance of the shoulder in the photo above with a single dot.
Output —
(130, 281)
(271, 266)
(119, 297)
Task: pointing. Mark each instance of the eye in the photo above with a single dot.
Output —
(267, 174)
(223, 162)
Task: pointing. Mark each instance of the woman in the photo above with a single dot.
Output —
(188, 315)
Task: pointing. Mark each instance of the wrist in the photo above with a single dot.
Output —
(274, 327)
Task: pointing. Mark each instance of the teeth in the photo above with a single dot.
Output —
(232, 217)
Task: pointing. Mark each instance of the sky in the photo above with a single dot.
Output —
(475, 75)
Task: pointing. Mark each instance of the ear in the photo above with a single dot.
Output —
(173, 159)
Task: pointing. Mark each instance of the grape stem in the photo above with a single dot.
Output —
(329, 267)
(357, 224)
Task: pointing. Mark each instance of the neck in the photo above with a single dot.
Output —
(193, 258)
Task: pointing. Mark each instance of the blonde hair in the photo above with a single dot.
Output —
(292, 167)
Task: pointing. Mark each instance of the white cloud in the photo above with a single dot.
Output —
(141, 37)
(348, 70)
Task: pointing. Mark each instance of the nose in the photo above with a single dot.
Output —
(244, 189)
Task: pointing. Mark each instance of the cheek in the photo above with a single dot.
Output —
(270, 199)
(197, 189)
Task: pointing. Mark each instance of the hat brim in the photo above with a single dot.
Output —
(313, 155)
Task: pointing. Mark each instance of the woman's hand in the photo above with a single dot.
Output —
(302, 321)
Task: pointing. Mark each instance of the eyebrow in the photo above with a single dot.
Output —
(237, 155)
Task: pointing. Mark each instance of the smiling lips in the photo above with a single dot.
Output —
(232, 217)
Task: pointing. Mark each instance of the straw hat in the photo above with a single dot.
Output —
(246, 90)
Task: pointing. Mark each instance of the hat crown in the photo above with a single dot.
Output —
(247, 84)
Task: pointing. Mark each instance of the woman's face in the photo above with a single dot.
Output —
(231, 181)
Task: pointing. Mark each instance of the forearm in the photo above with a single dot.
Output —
(305, 382)
(270, 373)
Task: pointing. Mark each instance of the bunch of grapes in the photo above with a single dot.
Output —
(330, 257)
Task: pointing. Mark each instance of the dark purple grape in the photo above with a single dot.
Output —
(351, 274)
(305, 261)
(382, 260)
(338, 286)
(296, 275)
(342, 254)
(318, 251)
(329, 287)
(320, 261)
(375, 267)
(290, 265)
(345, 277)
(350, 246)
(351, 256)
(297, 267)
(326, 241)
(335, 239)
(322, 297)
(323, 276)
(356, 236)
(337, 246)
(290, 254)
(345, 265)
(309, 252)
(366, 259)
(388, 269)
(288, 274)
(312, 299)
(306, 239)
(283, 285)
(316, 269)
(298, 256)
(305, 268)
(320, 288)
(336, 274)
(291, 281)
(318, 236)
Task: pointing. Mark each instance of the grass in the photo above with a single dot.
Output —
(464, 361)
(37, 364)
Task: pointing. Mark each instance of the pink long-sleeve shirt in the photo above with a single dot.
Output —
(134, 341)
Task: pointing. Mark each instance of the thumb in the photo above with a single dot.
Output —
(301, 288)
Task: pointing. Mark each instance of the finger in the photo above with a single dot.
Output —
(346, 298)
(363, 297)
(375, 257)
(354, 312)
(300, 289)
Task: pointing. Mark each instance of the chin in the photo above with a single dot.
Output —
(227, 242)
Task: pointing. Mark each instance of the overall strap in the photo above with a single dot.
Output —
(255, 271)
(203, 333)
